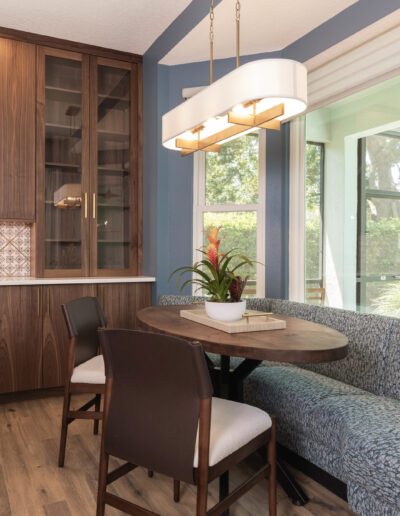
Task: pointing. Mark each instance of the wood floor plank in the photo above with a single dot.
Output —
(57, 508)
(5, 509)
(32, 484)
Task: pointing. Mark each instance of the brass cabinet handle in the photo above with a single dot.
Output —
(94, 206)
(86, 205)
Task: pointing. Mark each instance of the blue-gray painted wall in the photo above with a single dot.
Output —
(168, 178)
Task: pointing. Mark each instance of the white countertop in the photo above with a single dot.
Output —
(20, 281)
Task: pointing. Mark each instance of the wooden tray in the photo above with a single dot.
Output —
(259, 321)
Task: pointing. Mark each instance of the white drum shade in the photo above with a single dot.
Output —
(269, 81)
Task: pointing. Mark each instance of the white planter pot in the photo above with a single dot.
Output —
(227, 312)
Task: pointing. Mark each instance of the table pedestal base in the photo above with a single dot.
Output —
(228, 384)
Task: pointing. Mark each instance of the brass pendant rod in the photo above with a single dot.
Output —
(237, 34)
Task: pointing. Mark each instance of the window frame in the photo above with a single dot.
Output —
(329, 80)
(200, 207)
(321, 146)
(363, 194)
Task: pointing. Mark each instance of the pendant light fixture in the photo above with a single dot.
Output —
(259, 94)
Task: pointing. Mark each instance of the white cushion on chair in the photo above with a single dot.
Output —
(233, 425)
(91, 371)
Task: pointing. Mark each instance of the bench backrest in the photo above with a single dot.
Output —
(372, 343)
(373, 362)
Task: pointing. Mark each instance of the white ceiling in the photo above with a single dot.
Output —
(266, 25)
(129, 25)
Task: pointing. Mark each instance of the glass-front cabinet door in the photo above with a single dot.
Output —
(88, 219)
(114, 167)
(62, 163)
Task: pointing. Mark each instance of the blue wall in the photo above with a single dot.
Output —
(168, 178)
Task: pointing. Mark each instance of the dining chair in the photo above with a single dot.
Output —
(85, 364)
(159, 414)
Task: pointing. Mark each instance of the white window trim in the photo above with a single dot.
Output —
(373, 58)
(297, 211)
(199, 207)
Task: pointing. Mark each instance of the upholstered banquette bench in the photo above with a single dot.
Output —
(343, 417)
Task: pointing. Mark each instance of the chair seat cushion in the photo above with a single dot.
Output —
(233, 425)
(91, 371)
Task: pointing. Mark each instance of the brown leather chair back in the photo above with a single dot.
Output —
(154, 387)
(83, 317)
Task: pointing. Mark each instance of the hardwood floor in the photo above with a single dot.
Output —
(31, 484)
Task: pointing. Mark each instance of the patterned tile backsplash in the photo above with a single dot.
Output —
(15, 249)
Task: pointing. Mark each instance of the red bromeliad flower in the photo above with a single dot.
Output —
(212, 274)
(213, 246)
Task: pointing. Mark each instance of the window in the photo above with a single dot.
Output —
(314, 192)
(229, 191)
(378, 229)
(352, 176)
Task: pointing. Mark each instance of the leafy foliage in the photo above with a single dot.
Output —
(216, 274)
(232, 174)
(238, 230)
(388, 301)
(313, 266)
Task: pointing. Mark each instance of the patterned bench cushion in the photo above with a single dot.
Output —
(293, 309)
(352, 434)
(365, 504)
(392, 364)
(296, 396)
(179, 300)
(368, 335)
(262, 304)
(371, 455)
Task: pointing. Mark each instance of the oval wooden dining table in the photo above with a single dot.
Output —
(300, 342)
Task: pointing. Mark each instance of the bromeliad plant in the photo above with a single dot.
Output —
(216, 273)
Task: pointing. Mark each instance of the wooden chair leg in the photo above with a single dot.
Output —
(177, 490)
(103, 469)
(201, 506)
(272, 472)
(97, 409)
(64, 428)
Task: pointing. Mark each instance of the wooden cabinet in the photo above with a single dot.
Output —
(87, 165)
(121, 302)
(114, 167)
(55, 335)
(20, 338)
(33, 333)
(17, 130)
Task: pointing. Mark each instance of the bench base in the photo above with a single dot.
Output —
(331, 483)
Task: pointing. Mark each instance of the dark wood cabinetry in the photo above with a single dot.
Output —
(87, 165)
(70, 153)
(55, 335)
(114, 167)
(20, 338)
(121, 302)
(33, 334)
(62, 232)
(17, 130)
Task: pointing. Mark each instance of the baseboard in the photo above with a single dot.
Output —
(11, 397)
(330, 482)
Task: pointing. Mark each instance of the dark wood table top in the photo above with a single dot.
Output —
(301, 341)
